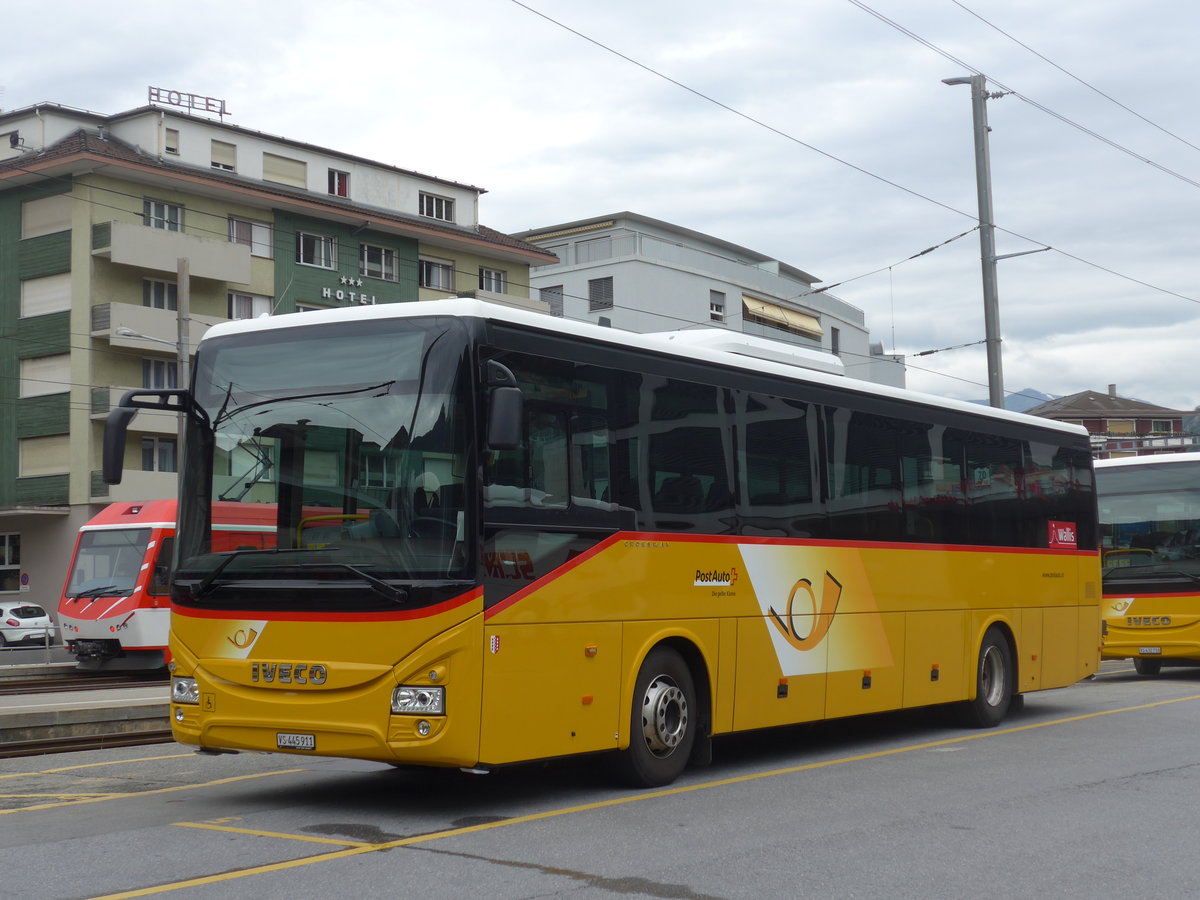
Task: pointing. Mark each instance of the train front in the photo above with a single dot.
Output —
(359, 633)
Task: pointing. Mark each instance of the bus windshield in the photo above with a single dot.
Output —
(1149, 520)
(361, 446)
(108, 562)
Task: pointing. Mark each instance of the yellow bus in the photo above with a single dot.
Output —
(1150, 547)
(504, 536)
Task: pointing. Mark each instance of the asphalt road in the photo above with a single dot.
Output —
(1088, 792)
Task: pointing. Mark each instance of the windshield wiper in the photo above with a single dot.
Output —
(201, 589)
(381, 587)
(1149, 573)
(94, 593)
(378, 585)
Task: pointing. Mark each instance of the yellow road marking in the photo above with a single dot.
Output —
(601, 804)
(111, 762)
(98, 798)
(274, 834)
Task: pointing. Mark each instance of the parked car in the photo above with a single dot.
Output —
(24, 623)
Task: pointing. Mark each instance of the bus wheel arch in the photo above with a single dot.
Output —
(995, 680)
(668, 716)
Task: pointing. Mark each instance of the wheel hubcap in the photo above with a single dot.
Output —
(992, 675)
(664, 716)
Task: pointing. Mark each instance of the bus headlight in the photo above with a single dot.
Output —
(185, 690)
(423, 701)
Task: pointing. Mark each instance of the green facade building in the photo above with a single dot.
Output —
(124, 237)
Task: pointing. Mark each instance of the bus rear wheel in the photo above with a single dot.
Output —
(1144, 666)
(662, 723)
(993, 683)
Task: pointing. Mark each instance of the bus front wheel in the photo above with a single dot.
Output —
(1144, 666)
(662, 722)
(993, 683)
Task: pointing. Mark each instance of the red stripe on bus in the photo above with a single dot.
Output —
(1138, 594)
(643, 537)
(399, 615)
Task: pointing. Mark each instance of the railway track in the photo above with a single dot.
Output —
(43, 746)
(58, 683)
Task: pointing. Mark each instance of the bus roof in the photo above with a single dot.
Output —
(1148, 460)
(659, 342)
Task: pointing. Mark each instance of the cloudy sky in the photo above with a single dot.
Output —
(815, 131)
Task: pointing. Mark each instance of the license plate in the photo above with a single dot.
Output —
(288, 741)
(1150, 651)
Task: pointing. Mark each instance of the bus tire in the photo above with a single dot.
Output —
(994, 678)
(1144, 666)
(662, 722)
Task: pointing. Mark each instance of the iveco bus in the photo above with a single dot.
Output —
(542, 537)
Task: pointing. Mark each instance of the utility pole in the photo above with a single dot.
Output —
(987, 236)
(183, 378)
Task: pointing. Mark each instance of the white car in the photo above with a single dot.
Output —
(24, 623)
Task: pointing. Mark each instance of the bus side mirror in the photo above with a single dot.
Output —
(505, 407)
(504, 418)
(117, 424)
(115, 427)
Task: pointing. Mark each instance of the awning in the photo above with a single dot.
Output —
(791, 319)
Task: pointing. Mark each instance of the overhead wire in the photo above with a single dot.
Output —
(1073, 76)
(1008, 90)
(779, 132)
(916, 37)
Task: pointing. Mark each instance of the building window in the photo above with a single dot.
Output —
(158, 454)
(377, 262)
(1120, 426)
(437, 207)
(315, 250)
(1161, 426)
(159, 214)
(600, 293)
(255, 235)
(437, 275)
(47, 215)
(493, 280)
(171, 143)
(49, 294)
(284, 170)
(160, 374)
(835, 341)
(248, 306)
(10, 563)
(553, 297)
(39, 456)
(158, 294)
(224, 156)
(716, 306)
(42, 375)
(309, 307)
(339, 183)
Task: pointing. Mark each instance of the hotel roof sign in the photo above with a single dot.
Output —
(188, 101)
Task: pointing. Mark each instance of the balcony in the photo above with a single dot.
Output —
(159, 250)
(135, 486)
(153, 330)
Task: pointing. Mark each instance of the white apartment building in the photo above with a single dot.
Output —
(641, 274)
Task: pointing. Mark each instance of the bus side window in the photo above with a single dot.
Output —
(995, 485)
(865, 501)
